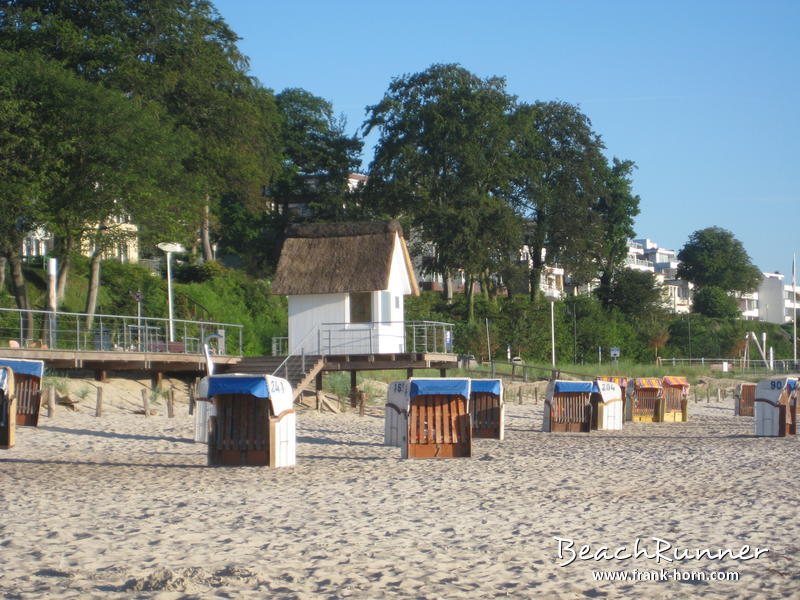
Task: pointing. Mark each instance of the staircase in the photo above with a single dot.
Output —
(293, 371)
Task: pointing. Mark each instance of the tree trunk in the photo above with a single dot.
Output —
(448, 287)
(205, 235)
(63, 275)
(469, 285)
(94, 287)
(21, 295)
(3, 262)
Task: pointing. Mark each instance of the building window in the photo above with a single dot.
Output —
(361, 307)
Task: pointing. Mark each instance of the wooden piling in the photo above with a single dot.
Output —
(51, 401)
(171, 403)
(98, 409)
(146, 402)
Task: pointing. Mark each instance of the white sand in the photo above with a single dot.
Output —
(125, 506)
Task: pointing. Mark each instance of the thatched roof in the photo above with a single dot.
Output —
(338, 258)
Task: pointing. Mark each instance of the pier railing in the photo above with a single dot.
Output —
(113, 333)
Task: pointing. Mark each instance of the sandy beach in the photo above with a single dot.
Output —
(124, 506)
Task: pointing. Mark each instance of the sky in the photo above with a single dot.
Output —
(702, 95)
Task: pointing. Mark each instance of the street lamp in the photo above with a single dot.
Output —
(552, 294)
(168, 248)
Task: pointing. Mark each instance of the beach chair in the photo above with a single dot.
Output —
(775, 407)
(647, 400)
(676, 399)
(203, 410)
(254, 423)
(486, 408)
(28, 376)
(607, 405)
(429, 417)
(8, 409)
(744, 400)
(567, 406)
(622, 382)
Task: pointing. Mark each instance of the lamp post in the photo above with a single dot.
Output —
(552, 295)
(168, 248)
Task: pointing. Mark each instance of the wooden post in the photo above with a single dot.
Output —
(353, 390)
(362, 399)
(51, 401)
(708, 395)
(171, 403)
(98, 409)
(101, 375)
(695, 395)
(519, 395)
(146, 402)
(192, 392)
(157, 379)
(442, 372)
(719, 394)
(409, 373)
(319, 400)
(536, 395)
(318, 382)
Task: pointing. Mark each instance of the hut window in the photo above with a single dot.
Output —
(361, 307)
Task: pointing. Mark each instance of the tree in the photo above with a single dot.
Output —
(179, 53)
(714, 257)
(114, 158)
(555, 179)
(441, 154)
(632, 292)
(26, 166)
(616, 207)
(319, 156)
(715, 302)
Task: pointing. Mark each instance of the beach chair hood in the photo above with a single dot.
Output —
(24, 367)
(567, 387)
(673, 381)
(439, 387)
(647, 383)
(608, 390)
(487, 386)
(278, 391)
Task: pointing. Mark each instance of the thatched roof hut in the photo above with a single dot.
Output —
(340, 258)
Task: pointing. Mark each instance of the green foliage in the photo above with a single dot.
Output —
(715, 302)
(441, 154)
(634, 293)
(714, 257)
(198, 272)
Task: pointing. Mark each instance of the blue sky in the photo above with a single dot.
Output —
(702, 95)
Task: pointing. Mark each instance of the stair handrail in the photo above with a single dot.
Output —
(295, 353)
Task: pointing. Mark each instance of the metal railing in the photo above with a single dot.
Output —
(384, 337)
(751, 366)
(113, 333)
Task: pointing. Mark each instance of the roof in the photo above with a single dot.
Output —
(673, 381)
(335, 258)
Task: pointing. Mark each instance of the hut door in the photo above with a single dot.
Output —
(439, 427)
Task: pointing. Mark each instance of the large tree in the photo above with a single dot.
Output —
(179, 53)
(318, 155)
(714, 257)
(441, 154)
(616, 208)
(557, 174)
